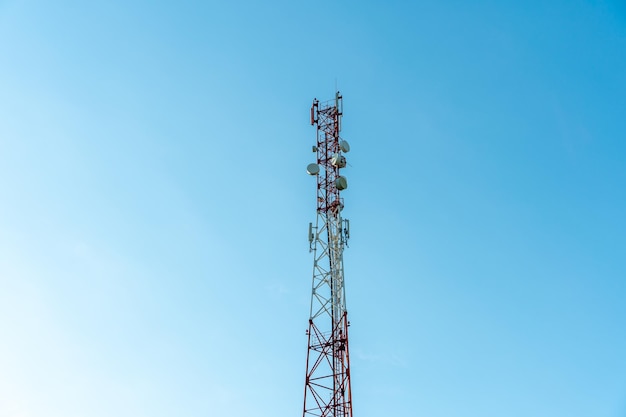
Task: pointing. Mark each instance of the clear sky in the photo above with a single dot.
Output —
(154, 205)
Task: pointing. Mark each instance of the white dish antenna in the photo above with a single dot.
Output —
(312, 169)
(345, 146)
(341, 183)
(338, 161)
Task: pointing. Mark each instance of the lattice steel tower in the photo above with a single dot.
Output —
(327, 386)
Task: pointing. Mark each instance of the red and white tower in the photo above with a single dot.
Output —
(327, 390)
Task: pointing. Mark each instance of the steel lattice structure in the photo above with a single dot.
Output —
(327, 391)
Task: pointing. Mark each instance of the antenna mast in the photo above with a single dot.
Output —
(327, 391)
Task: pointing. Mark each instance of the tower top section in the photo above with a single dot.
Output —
(330, 150)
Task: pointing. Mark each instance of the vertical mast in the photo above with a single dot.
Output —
(327, 390)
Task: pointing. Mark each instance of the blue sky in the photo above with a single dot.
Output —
(154, 205)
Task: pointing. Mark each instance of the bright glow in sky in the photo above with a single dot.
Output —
(154, 205)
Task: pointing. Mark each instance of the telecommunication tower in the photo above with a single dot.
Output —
(327, 390)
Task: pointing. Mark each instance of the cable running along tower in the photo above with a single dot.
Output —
(327, 390)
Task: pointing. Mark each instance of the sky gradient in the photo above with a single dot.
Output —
(154, 205)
